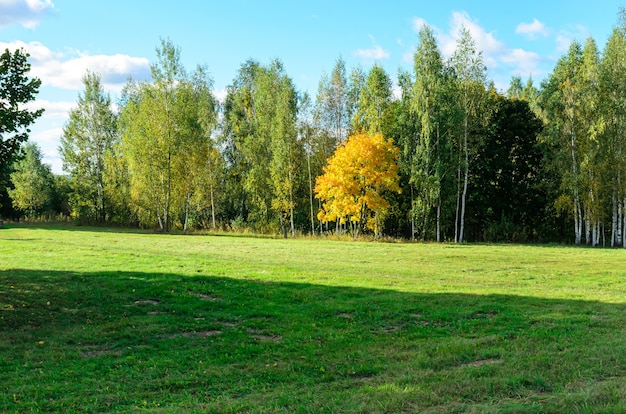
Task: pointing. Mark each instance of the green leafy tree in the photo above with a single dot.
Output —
(237, 131)
(356, 86)
(208, 166)
(507, 175)
(274, 179)
(33, 182)
(16, 90)
(88, 136)
(287, 152)
(374, 99)
(117, 186)
(161, 135)
(405, 133)
(263, 152)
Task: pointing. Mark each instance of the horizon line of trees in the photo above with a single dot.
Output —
(450, 159)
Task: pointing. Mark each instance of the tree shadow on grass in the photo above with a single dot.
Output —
(116, 341)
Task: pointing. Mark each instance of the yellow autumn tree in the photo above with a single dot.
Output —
(351, 188)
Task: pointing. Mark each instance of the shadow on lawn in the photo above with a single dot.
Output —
(139, 337)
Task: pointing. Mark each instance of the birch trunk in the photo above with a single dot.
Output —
(212, 205)
(620, 209)
(613, 219)
(465, 179)
(412, 216)
(439, 221)
(458, 203)
(624, 225)
(186, 213)
(588, 230)
(308, 161)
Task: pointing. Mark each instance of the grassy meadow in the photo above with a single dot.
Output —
(104, 320)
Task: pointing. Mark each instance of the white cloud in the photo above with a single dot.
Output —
(46, 137)
(418, 23)
(485, 41)
(66, 69)
(59, 110)
(526, 62)
(220, 94)
(396, 91)
(563, 42)
(501, 60)
(532, 30)
(26, 13)
(565, 37)
(374, 53)
(407, 57)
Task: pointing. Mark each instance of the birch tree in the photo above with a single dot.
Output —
(332, 109)
(307, 134)
(208, 163)
(470, 73)
(88, 136)
(262, 143)
(277, 100)
(612, 91)
(374, 99)
(428, 157)
(162, 133)
(561, 98)
(590, 155)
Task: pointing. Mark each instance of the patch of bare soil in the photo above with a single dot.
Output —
(391, 329)
(148, 301)
(203, 296)
(482, 362)
(261, 336)
(198, 334)
(94, 353)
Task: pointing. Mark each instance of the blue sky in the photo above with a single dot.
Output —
(117, 38)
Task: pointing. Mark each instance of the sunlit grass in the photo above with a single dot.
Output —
(96, 320)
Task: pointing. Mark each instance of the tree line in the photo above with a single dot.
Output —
(447, 158)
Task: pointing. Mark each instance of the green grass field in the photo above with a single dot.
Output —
(99, 320)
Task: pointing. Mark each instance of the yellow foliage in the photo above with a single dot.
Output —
(356, 174)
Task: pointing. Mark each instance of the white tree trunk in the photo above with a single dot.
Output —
(412, 216)
(613, 219)
(439, 222)
(624, 219)
(465, 180)
(578, 225)
(186, 212)
(620, 210)
(458, 203)
(308, 161)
